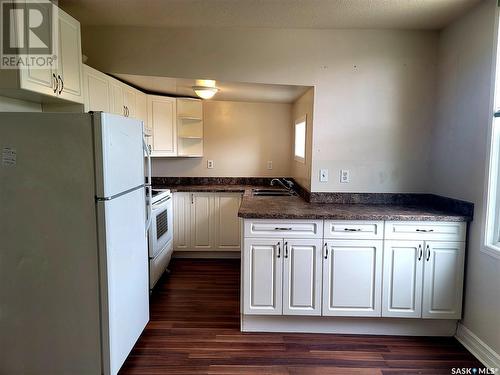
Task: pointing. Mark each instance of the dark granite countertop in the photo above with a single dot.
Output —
(297, 208)
(338, 206)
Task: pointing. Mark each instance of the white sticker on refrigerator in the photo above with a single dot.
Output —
(9, 156)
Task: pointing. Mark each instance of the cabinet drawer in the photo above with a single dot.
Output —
(425, 230)
(373, 230)
(283, 228)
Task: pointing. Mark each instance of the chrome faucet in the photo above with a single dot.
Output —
(287, 184)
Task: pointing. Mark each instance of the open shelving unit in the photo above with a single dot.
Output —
(189, 127)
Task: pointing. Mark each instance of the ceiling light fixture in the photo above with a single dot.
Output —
(205, 92)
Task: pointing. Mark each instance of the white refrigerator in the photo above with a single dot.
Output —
(73, 242)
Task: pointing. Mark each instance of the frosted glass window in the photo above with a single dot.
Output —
(300, 139)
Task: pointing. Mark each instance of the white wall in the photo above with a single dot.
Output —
(240, 138)
(374, 89)
(460, 143)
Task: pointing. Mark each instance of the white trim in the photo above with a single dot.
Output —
(477, 347)
(349, 325)
(492, 174)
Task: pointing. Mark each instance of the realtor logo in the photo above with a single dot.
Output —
(29, 34)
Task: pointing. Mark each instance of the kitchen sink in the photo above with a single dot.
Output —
(272, 192)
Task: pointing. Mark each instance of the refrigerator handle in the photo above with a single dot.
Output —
(148, 183)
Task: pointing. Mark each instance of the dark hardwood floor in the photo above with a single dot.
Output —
(194, 329)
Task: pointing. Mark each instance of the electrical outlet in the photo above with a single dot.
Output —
(210, 164)
(270, 164)
(345, 176)
(323, 175)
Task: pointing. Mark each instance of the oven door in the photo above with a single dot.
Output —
(161, 226)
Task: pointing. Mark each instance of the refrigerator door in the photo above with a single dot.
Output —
(119, 154)
(123, 257)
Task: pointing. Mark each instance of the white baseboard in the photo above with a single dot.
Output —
(344, 325)
(486, 355)
(208, 254)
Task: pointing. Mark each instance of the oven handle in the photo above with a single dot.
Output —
(161, 203)
(149, 188)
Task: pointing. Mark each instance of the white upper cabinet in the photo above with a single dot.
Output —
(402, 284)
(302, 267)
(443, 280)
(96, 90)
(69, 72)
(162, 120)
(352, 277)
(141, 109)
(129, 102)
(262, 276)
(189, 127)
(117, 99)
(64, 81)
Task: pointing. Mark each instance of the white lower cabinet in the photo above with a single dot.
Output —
(263, 283)
(402, 285)
(443, 280)
(227, 222)
(282, 276)
(302, 268)
(207, 222)
(415, 272)
(352, 278)
(423, 279)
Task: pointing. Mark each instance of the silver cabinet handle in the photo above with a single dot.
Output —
(55, 85)
(286, 249)
(281, 228)
(428, 253)
(62, 84)
(326, 250)
(352, 230)
(279, 249)
(420, 252)
(424, 230)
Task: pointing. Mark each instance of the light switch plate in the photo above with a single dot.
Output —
(210, 164)
(269, 164)
(345, 176)
(323, 175)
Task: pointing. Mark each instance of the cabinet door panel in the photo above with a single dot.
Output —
(302, 270)
(402, 284)
(96, 90)
(162, 119)
(262, 280)
(182, 221)
(70, 57)
(352, 278)
(117, 106)
(228, 225)
(129, 101)
(443, 280)
(202, 221)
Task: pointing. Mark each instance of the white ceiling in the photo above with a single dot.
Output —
(230, 91)
(324, 14)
